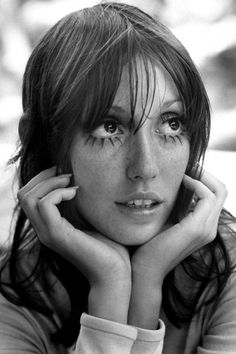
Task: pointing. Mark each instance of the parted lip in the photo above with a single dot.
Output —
(155, 198)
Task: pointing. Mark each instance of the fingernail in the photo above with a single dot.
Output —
(65, 175)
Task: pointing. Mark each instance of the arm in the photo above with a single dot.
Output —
(220, 333)
(22, 331)
(103, 262)
(152, 261)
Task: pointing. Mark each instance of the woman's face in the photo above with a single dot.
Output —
(129, 181)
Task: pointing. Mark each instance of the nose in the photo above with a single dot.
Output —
(142, 159)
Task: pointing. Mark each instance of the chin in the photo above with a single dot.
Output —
(134, 238)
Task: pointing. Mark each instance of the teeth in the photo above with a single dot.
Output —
(140, 203)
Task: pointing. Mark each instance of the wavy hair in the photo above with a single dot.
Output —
(70, 82)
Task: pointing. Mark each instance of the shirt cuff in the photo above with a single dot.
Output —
(150, 341)
(104, 325)
(98, 335)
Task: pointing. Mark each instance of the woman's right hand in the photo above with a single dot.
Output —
(103, 262)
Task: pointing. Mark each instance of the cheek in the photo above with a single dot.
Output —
(96, 176)
(176, 167)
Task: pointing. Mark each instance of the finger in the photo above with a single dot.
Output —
(41, 189)
(30, 199)
(48, 204)
(199, 227)
(205, 196)
(75, 245)
(202, 221)
(216, 186)
(208, 188)
(42, 176)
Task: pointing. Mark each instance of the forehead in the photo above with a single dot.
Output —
(151, 84)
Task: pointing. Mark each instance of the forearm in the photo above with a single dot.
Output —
(110, 302)
(145, 304)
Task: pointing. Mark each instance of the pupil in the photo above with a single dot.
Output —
(174, 124)
(110, 127)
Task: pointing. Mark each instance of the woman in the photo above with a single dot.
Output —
(120, 242)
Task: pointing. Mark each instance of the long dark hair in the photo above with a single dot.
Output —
(70, 82)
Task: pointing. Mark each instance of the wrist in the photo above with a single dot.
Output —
(149, 277)
(145, 304)
(110, 302)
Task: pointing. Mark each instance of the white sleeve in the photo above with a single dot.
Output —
(220, 336)
(148, 341)
(101, 336)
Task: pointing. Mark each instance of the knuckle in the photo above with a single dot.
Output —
(41, 203)
(222, 188)
(19, 195)
(23, 197)
(26, 201)
(198, 185)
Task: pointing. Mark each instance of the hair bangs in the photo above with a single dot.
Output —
(195, 102)
(140, 61)
(87, 68)
(97, 89)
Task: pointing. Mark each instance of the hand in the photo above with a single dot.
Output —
(152, 261)
(104, 263)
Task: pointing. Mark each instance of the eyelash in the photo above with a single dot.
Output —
(165, 118)
(172, 138)
(94, 139)
(102, 140)
(173, 116)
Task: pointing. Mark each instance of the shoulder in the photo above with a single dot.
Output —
(224, 307)
(24, 330)
(227, 231)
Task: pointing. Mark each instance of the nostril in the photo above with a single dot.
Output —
(142, 174)
(142, 163)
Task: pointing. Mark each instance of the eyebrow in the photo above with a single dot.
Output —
(117, 109)
(170, 102)
(120, 110)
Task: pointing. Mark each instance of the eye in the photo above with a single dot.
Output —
(171, 124)
(174, 124)
(108, 129)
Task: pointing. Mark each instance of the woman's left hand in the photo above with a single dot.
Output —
(153, 260)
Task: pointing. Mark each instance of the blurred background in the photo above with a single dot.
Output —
(206, 28)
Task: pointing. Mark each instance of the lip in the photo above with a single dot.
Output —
(140, 214)
(142, 195)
